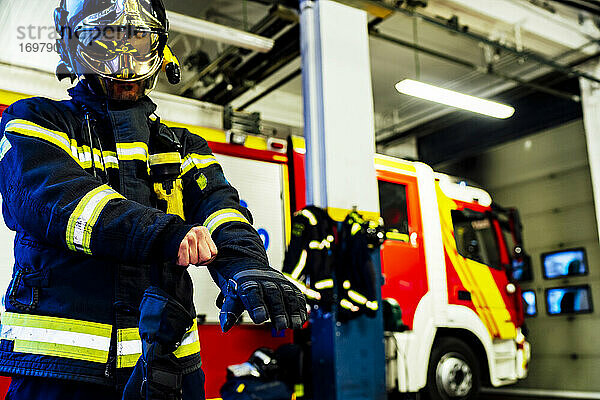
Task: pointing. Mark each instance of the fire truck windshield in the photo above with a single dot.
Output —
(475, 237)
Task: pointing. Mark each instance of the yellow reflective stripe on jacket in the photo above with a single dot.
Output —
(82, 220)
(196, 160)
(164, 158)
(224, 216)
(5, 146)
(308, 292)
(310, 216)
(324, 284)
(59, 337)
(81, 154)
(300, 266)
(129, 345)
(30, 129)
(348, 305)
(372, 305)
(357, 297)
(132, 151)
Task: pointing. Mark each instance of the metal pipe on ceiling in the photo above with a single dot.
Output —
(454, 28)
(220, 33)
(478, 68)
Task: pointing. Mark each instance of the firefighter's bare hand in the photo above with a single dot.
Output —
(197, 248)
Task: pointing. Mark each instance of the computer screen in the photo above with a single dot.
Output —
(558, 264)
(569, 300)
(530, 303)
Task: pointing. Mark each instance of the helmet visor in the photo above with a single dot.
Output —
(124, 53)
(121, 42)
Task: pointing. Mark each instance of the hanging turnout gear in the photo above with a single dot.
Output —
(354, 267)
(310, 256)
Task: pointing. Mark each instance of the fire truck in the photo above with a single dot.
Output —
(446, 261)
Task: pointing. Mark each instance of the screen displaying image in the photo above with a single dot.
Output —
(564, 263)
(530, 303)
(569, 300)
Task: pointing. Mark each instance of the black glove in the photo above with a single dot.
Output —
(265, 293)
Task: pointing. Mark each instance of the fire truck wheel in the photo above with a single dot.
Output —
(453, 372)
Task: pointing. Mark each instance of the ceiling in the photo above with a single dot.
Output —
(391, 63)
(534, 27)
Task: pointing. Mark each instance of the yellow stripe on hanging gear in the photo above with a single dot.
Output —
(5, 146)
(355, 229)
(240, 388)
(357, 297)
(132, 151)
(311, 294)
(57, 138)
(173, 196)
(164, 158)
(129, 345)
(346, 285)
(310, 216)
(348, 305)
(372, 305)
(316, 245)
(218, 218)
(402, 237)
(300, 266)
(324, 284)
(59, 337)
(196, 160)
(84, 218)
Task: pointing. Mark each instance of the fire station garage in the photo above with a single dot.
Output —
(423, 175)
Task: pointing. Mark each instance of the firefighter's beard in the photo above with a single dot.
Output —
(124, 91)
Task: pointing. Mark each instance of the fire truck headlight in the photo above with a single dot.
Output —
(511, 288)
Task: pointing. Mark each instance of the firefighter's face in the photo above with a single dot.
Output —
(125, 91)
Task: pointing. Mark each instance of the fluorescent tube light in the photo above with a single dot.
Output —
(454, 99)
(220, 33)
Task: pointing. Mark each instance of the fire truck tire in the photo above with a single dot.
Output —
(453, 372)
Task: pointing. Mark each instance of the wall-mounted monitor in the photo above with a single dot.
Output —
(569, 300)
(530, 304)
(564, 263)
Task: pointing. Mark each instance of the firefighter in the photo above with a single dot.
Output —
(105, 228)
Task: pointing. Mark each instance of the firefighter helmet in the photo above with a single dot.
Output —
(117, 46)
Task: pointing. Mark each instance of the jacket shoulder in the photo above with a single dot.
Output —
(42, 111)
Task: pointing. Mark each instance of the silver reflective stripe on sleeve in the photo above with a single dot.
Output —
(84, 218)
(5, 146)
(224, 216)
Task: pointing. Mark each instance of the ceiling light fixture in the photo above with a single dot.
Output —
(220, 33)
(454, 99)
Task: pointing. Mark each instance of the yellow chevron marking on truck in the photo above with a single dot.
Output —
(477, 278)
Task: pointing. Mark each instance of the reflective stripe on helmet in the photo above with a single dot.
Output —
(216, 219)
(82, 220)
(59, 337)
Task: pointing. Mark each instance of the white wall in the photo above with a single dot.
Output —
(547, 177)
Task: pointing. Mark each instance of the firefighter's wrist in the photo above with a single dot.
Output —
(170, 240)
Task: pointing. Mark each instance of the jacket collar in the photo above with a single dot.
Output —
(80, 93)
